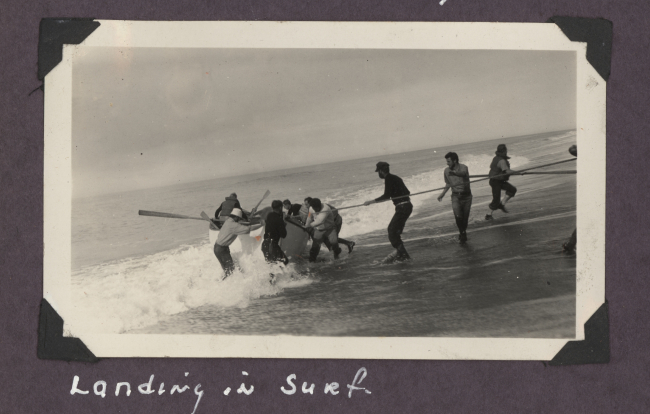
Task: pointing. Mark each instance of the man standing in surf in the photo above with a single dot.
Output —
(394, 189)
(456, 176)
(275, 230)
(499, 175)
(227, 234)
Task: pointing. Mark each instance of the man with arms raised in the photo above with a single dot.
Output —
(456, 177)
(394, 189)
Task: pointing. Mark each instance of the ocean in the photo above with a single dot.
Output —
(140, 274)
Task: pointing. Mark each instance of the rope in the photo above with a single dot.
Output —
(538, 172)
(471, 182)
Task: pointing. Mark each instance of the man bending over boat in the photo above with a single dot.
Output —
(499, 175)
(229, 231)
(338, 222)
(275, 230)
(456, 177)
(321, 226)
(291, 210)
(227, 206)
(395, 189)
(304, 211)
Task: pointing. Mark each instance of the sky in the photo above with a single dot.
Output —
(150, 117)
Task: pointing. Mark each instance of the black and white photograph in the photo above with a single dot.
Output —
(324, 190)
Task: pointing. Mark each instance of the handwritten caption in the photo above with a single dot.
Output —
(100, 388)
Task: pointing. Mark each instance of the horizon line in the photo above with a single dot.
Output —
(303, 166)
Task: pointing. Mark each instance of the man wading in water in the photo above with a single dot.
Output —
(227, 235)
(394, 187)
(500, 170)
(275, 230)
(456, 176)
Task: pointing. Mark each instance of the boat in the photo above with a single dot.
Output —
(293, 245)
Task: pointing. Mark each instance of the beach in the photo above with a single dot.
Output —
(152, 275)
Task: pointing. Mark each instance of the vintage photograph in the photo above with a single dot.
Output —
(282, 194)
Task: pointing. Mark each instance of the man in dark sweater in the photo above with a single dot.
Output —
(291, 209)
(394, 189)
(223, 212)
(274, 231)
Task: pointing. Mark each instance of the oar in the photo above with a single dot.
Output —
(206, 217)
(168, 215)
(254, 210)
(532, 172)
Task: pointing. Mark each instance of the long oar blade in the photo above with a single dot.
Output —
(206, 217)
(167, 215)
(266, 194)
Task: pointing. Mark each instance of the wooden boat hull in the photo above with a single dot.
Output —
(295, 243)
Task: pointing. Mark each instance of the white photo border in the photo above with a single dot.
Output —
(590, 131)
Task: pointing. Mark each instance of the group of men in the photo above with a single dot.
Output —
(456, 177)
(323, 222)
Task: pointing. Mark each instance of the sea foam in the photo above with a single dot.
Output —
(128, 294)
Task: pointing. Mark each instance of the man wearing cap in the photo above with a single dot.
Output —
(274, 231)
(230, 229)
(456, 177)
(227, 206)
(394, 189)
(499, 175)
(321, 226)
